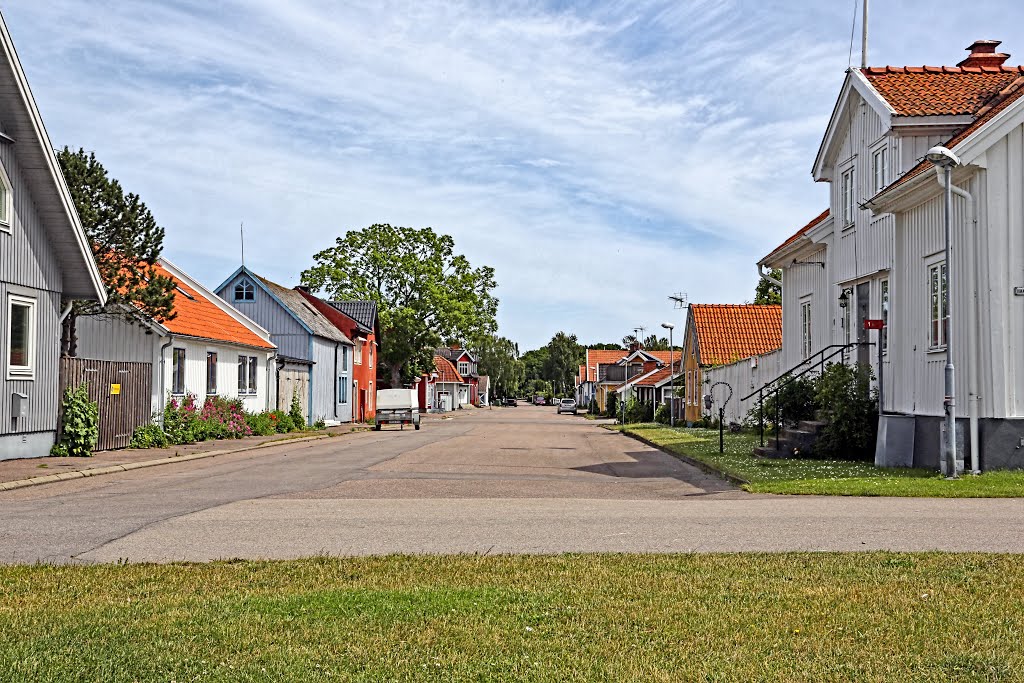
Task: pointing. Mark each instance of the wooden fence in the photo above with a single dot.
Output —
(123, 391)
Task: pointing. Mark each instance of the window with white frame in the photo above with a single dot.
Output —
(463, 367)
(938, 306)
(21, 337)
(885, 315)
(847, 315)
(344, 359)
(805, 328)
(245, 291)
(6, 201)
(343, 389)
(211, 373)
(178, 371)
(357, 353)
(846, 196)
(247, 374)
(879, 169)
(369, 352)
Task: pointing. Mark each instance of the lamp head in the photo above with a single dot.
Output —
(668, 326)
(942, 157)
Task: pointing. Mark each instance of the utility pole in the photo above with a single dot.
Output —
(864, 37)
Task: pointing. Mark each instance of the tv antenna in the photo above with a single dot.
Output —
(680, 300)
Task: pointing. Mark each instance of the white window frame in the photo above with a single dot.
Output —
(847, 190)
(175, 391)
(848, 316)
(806, 329)
(884, 298)
(212, 355)
(357, 352)
(938, 305)
(880, 168)
(343, 389)
(463, 368)
(25, 372)
(6, 201)
(369, 352)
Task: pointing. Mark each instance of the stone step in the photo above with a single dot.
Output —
(769, 451)
(814, 426)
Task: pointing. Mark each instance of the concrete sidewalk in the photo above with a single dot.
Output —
(34, 471)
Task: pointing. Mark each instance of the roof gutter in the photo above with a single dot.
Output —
(767, 276)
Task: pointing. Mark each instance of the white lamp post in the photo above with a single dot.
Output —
(944, 161)
(671, 376)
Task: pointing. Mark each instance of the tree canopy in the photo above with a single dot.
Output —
(565, 355)
(767, 292)
(498, 358)
(126, 242)
(426, 294)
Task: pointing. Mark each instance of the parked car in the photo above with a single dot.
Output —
(538, 401)
(511, 402)
(567, 405)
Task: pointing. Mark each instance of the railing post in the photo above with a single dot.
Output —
(760, 413)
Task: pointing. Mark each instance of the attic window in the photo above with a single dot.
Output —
(245, 291)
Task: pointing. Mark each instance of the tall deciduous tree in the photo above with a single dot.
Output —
(565, 355)
(655, 343)
(426, 294)
(126, 242)
(767, 292)
(498, 358)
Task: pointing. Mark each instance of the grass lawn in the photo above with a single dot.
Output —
(740, 617)
(822, 477)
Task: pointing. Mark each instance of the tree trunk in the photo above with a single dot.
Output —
(396, 376)
(72, 335)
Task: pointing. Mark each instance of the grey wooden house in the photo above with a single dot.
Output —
(314, 356)
(44, 258)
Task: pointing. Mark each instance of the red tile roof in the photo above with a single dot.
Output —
(197, 316)
(727, 333)
(659, 375)
(1008, 97)
(818, 220)
(604, 356)
(940, 90)
(446, 372)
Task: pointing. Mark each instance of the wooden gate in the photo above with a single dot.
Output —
(123, 391)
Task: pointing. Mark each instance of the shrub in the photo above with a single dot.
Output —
(295, 412)
(320, 424)
(80, 423)
(661, 414)
(638, 411)
(851, 409)
(613, 405)
(261, 424)
(592, 408)
(182, 423)
(224, 418)
(796, 401)
(282, 421)
(149, 436)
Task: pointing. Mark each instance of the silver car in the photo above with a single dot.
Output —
(567, 405)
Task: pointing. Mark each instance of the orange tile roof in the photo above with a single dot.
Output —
(1008, 97)
(659, 375)
(446, 372)
(727, 333)
(940, 90)
(604, 356)
(818, 220)
(197, 316)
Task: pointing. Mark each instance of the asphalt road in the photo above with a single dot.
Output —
(514, 480)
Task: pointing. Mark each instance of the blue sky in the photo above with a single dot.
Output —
(600, 155)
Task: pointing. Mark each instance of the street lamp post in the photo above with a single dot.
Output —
(671, 376)
(944, 161)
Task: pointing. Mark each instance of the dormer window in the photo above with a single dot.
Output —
(463, 368)
(6, 201)
(245, 291)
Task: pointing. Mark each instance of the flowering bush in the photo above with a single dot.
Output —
(282, 421)
(224, 418)
(182, 421)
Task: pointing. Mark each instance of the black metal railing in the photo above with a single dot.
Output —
(813, 362)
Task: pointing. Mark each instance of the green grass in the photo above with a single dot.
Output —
(821, 477)
(741, 617)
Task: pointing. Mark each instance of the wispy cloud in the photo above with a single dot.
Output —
(600, 156)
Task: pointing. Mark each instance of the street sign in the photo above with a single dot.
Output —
(872, 324)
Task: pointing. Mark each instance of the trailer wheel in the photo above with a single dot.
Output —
(377, 427)
(417, 427)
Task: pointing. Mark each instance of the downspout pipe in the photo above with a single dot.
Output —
(163, 377)
(972, 322)
(64, 314)
(767, 276)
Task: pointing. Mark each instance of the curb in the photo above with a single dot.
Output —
(699, 464)
(127, 467)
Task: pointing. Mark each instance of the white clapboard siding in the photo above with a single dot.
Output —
(802, 282)
(744, 378)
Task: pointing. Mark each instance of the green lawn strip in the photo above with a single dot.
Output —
(820, 477)
(735, 617)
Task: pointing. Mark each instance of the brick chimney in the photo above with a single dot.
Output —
(983, 53)
(635, 346)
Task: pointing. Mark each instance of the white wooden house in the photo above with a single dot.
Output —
(877, 252)
(207, 349)
(45, 260)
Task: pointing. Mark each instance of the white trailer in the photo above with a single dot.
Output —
(397, 406)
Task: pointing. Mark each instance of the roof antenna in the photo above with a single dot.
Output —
(680, 300)
(864, 37)
(241, 230)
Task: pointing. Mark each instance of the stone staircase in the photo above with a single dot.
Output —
(793, 443)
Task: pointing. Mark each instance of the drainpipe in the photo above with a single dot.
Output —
(64, 314)
(163, 378)
(767, 276)
(270, 360)
(336, 397)
(972, 323)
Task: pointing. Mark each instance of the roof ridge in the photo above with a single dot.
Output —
(926, 69)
